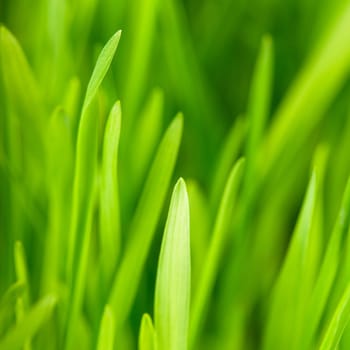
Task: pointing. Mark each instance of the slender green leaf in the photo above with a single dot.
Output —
(173, 285)
(216, 248)
(109, 196)
(338, 323)
(147, 336)
(289, 293)
(107, 330)
(145, 221)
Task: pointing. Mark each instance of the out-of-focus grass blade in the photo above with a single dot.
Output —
(8, 302)
(21, 269)
(84, 190)
(145, 221)
(338, 323)
(147, 132)
(109, 196)
(30, 324)
(217, 244)
(173, 285)
(143, 16)
(328, 270)
(290, 291)
(59, 173)
(147, 336)
(228, 155)
(107, 330)
(313, 90)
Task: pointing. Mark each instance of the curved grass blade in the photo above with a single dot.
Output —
(30, 324)
(291, 288)
(109, 196)
(337, 324)
(107, 330)
(147, 336)
(173, 285)
(84, 189)
(217, 244)
(145, 221)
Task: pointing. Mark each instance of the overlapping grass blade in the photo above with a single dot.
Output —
(107, 330)
(328, 270)
(147, 336)
(337, 324)
(84, 189)
(217, 244)
(30, 324)
(109, 196)
(173, 285)
(145, 221)
(291, 288)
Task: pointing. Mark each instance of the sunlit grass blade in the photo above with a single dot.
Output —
(337, 324)
(30, 324)
(107, 330)
(109, 197)
(173, 285)
(328, 269)
(84, 189)
(101, 67)
(22, 270)
(217, 244)
(147, 336)
(291, 288)
(145, 221)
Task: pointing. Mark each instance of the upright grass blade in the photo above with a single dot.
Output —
(107, 330)
(147, 131)
(291, 288)
(310, 95)
(147, 336)
(30, 324)
(216, 247)
(328, 270)
(84, 190)
(338, 323)
(59, 181)
(21, 268)
(109, 197)
(173, 285)
(145, 221)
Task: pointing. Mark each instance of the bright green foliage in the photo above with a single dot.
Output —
(147, 336)
(173, 286)
(244, 262)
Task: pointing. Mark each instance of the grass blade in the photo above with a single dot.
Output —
(144, 222)
(30, 324)
(338, 323)
(107, 330)
(84, 190)
(290, 289)
(217, 244)
(147, 337)
(173, 285)
(109, 197)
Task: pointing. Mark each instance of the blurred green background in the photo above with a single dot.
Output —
(197, 57)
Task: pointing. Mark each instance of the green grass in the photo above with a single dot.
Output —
(181, 184)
